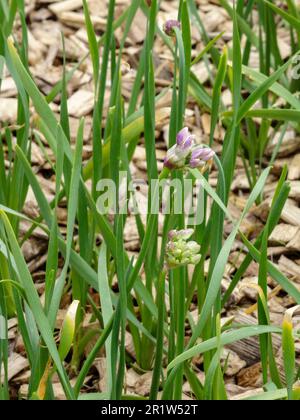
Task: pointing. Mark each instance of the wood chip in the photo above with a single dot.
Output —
(77, 20)
(291, 213)
(8, 110)
(81, 103)
(233, 362)
(16, 364)
(290, 144)
(294, 168)
(289, 268)
(283, 233)
(65, 6)
(294, 243)
(251, 376)
(249, 349)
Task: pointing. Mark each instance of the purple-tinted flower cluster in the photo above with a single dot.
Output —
(200, 156)
(177, 154)
(186, 153)
(170, 25)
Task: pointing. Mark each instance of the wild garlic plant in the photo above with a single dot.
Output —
(106, 294)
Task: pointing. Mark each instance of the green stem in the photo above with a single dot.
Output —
(159, 336)
(8, 293)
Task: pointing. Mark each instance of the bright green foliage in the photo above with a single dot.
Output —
(138, 305)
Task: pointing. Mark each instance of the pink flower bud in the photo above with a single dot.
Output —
(183, 234)
(178, 154)
(201, 156)
(170, 25)
(180, 251)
